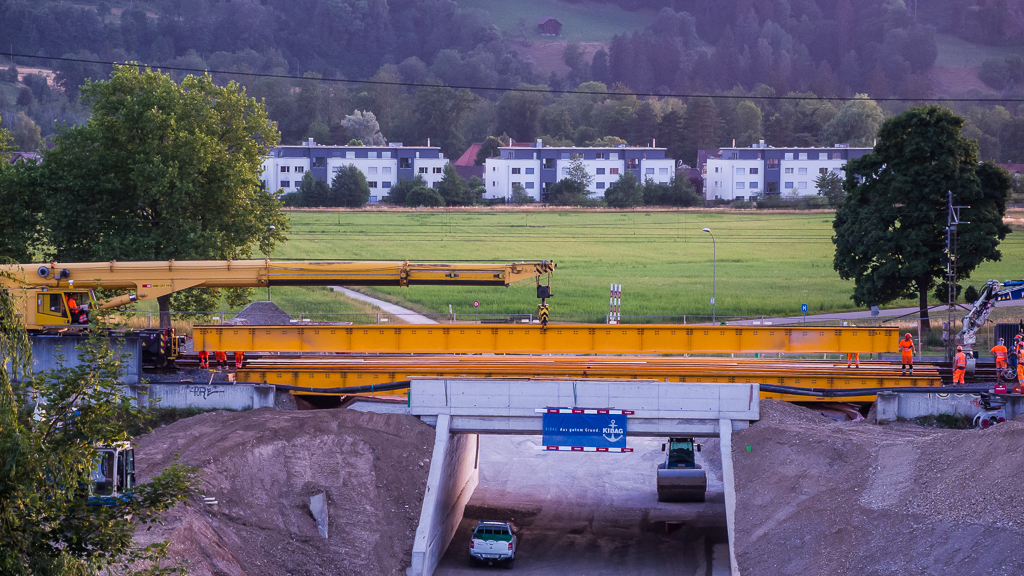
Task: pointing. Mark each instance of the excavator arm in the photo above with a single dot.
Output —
(149, 280)
(992, 292)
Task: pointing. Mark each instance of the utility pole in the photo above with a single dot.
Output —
(952, 221)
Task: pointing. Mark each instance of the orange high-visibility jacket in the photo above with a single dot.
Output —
(906, 345)
(960, 361)
(999, 351)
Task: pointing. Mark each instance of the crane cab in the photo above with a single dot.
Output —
(113, 474)
(53, 308)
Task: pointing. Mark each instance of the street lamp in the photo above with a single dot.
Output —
(713, 263)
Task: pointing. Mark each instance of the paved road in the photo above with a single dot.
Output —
(403, 314)
(592, 514)
(938, 313)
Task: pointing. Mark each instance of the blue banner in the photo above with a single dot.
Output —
(590, 430)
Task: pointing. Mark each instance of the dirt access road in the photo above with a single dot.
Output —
(589, 513)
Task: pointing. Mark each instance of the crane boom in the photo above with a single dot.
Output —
(153, 279)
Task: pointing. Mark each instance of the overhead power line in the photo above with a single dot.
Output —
(492, 89)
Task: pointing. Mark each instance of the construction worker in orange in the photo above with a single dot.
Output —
(959, 366)
(852, 357)
(204, 359)
(1019, 350)
(222, 358)
(75, 313)
(907, 353)
(1000, 352)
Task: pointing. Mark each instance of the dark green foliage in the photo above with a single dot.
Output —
(400, 191)
(311, 193)
(424, 197)
(1001, 73)
(488, 149)
(890, 229)
(971, 294)
(48, 454)
(567, 192)
(22, 207)
(161, 171)
(349, 188)
(625, 192)
(520, 196)
(454, 190)
(830, 185)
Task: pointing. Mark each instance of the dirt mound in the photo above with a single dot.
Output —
(261, 313)
(821, 497)
(262, 466)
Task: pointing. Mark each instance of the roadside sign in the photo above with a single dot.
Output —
(600, 430)
(476, 303)
(803, 308)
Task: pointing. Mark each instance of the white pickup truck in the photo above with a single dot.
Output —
(493, 541)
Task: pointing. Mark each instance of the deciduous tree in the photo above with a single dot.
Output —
(890, 230)
(624, 192)
(349, 188)
(162, 171)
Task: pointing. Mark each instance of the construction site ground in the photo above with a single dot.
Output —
(814, 496)
(262, 466)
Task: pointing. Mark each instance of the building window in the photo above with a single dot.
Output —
(789, 155)
(600, 185)
(632, 163)
(336, 169)
(300, 169)
(529, 170)
(438, 169)
(803, 155)
(350, 154)
(789, 185)
(802, 186)
(836, 155)
(664, 171)
(599, 155)
(286, 184)
(753, 185)
(801, 170)
(386, 154)
(529, 185)
(716, 169)
(741, 171)
(372, 184)
(373, 198)
(613, 156)
(435, 185)
(549, 163)
(564, 155)
(649, 171)
(514, 184)
(600, 171)
(372, 170)
(753, 170)
(385, 170)
(422, 170)
(789, 170)
(740, 185)
(286, 168)
(371, 154)
(613, 170)
(493, 183)
(517, 171)
(320, 162)
(772, 164)
(386, 184)
(405, 163)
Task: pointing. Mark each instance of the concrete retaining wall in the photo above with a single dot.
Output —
(892, 405)
(207, 396)
(46, 348)
(454, 474)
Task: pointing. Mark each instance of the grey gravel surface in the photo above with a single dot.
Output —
(261, 313)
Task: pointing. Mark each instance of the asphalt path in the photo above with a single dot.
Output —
(936, 312)
(592, 514)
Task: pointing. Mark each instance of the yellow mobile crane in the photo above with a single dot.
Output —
(42, 291)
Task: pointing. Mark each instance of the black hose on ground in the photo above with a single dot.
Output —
(845, 392)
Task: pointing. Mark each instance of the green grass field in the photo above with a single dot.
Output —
(581, 22)
(954, 51)
(767, 264)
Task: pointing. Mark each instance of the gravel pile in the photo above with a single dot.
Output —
(816, 496)
(261, 313)
(261, 467)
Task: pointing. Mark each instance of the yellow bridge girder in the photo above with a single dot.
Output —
(339, 373)
(533, 339)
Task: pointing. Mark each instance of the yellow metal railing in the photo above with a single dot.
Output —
(555, 339)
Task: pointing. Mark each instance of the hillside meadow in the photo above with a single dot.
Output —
(766, 263)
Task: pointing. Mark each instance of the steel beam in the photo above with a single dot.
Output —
(533, 339)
